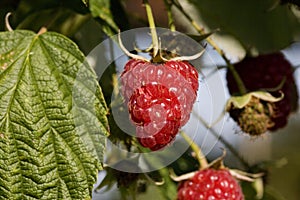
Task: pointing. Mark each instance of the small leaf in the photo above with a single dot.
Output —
(266, 96)
(52, 118)
(200, 38)
(86, 2)
(241, 101)
(101, 9)
(169, 188)
(238, 101)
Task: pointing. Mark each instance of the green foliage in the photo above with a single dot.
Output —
(60, 16)
(46, 102)
(252, 22)
(169, 189)
(101, 9)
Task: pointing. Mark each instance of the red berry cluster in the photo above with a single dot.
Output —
(210, 184)
(160, 97)
(267, 72)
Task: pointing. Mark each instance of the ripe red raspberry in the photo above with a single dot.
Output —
(157, 113)
(160, 97)
(265, 72)
(210, 184)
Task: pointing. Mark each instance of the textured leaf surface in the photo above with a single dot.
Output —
(47, 95)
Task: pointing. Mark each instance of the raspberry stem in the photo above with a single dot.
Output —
(171, 23)
(200, 30)
(223, 141)
(197, 150)
(152, 27)
(236, 77)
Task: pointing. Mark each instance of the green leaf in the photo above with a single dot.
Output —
(86, 2)
(49, 136)
(61, 20)
(65, 17)
(101, 9)
(200, 38)
(168, 189)
(251, 22)
(241, 101)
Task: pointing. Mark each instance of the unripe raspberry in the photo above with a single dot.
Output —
(266, 72)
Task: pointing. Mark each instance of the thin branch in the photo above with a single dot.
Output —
(223, 141)
(200, 30)
(152, 27)
(171, 23)
(199, 155)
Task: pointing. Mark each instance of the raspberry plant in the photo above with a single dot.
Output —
(56, 111)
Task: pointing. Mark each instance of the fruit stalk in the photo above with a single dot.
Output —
(224, 142)
(199, 155)
(152, 27)
(170, 15)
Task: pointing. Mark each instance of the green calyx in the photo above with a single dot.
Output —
(253, 112)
